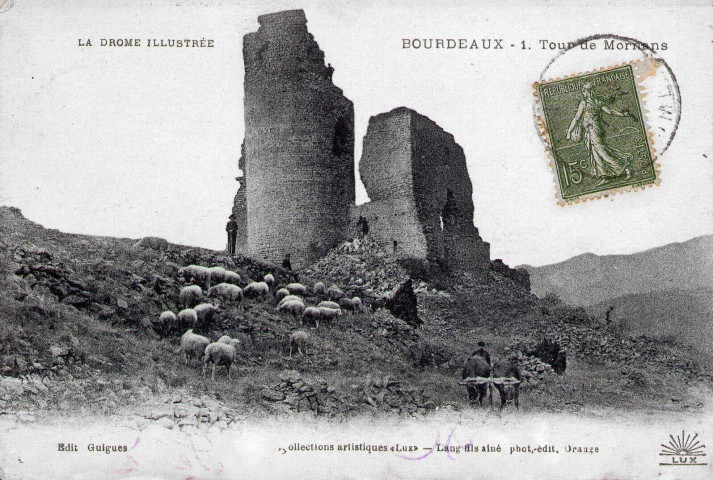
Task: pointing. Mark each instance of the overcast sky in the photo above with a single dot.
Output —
(145, 141)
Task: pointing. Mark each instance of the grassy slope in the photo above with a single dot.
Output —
(123, 362)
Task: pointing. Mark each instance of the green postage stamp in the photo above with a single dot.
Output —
(594, 128)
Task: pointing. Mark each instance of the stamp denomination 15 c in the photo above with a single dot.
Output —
(594, 128)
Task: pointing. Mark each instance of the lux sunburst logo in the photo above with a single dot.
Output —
(683, 450)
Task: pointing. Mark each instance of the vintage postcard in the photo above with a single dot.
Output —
(356, 240)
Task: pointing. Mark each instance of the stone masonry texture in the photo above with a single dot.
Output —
(298, 153)
(240, 207)
(299, 144)
(421, 195)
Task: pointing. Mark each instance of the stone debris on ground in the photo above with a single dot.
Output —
(393, 330)
(77, 333)
(534, 371)
(388, 394)
(361, 264)
(181, 411)
(299, 395)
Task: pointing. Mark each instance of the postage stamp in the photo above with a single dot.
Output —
(594, 128)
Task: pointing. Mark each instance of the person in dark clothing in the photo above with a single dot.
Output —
(482, 352)
(286, 264)
(560, 363)
(329, 71)
(232, 229)
(363, 223)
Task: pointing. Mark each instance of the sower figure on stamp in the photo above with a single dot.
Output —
(329, 71)
(232, 229)
(605, 161)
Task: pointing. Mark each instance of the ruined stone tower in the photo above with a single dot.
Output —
(298, 151)
(298, 155)
(421, 196)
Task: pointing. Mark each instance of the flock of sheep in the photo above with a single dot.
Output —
(224, 286)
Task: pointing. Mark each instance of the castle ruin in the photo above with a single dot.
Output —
(298, 155)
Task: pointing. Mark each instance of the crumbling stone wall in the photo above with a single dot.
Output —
(299, 155)
(240, 207)
(421, 195)
(299, 144)
(387, 173)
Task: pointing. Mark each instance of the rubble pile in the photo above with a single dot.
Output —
(394, 330)
(79, 387)
(45, 275)
(392, 395)
(534, 371)
(189, 414)
(298, 395)
(603, 345)
(359, 263)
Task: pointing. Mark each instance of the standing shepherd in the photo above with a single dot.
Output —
(363, 224)
(232, 229)
(286, 264)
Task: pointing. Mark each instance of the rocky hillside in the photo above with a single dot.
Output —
(683, 316)
(77, 337)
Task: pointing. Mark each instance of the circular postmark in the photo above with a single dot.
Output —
(5, 5)
(663, 95)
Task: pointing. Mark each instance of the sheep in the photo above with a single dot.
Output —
(218, 354)
(156, 243)
(190, 296)
(353, 304)
(205, 312)
(224, 339)
(298, 340)
(334, 293)
(193, 345)
(328, 313)
(319, 289)
(328, 304)
(297, 289)
(256, 289)
(281, 293)
(187, 318)
(232, 278)
(311, 314)
(292, 307)
(165, 322)
(226, 291)
(290, 298)
(270, 280)
(217, 275)
(235, 343)
(167, 317)
(196, 274)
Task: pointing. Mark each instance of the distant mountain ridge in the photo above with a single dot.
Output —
(590, 279)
